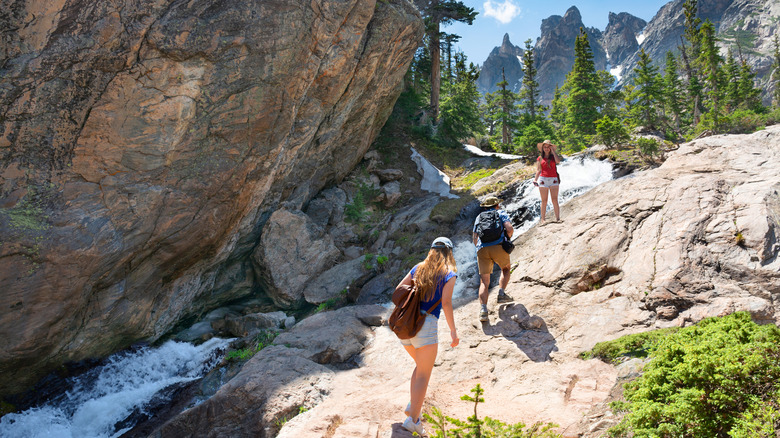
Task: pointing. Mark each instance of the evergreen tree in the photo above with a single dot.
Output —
(437, 13)
(673, 93)
(503, 111)
(690, 52)
(460, 117)
(748, 93)
(448, 40)
(611, 96)
(558, 108)
(530, 89)
(647, 91)
(710, 62)
(584, 97)
(732, 78)
(775, 78)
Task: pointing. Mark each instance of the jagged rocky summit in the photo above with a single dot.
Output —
(145, 146)
(503, 62)
(616, 49)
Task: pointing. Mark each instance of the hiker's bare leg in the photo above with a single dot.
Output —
(424, 358)
(484, 284)
(543, 191)
(554, 196)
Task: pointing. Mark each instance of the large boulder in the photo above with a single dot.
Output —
(292, 251)
(144, 145)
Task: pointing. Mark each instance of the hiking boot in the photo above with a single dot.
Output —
(413, 427)
(483, 315)
(503, 298)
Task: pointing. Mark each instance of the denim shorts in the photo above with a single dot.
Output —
(428, 334)
(548, 181)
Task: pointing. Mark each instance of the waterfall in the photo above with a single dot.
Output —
(101, 400)
(578, 175)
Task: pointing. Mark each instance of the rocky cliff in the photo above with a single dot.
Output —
(693, 238)
(752, 22)
(554, 50)
(621, 37)
(507, 59)
(144, 145)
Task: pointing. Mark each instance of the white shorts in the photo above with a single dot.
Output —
(428, 334)
(548, 181)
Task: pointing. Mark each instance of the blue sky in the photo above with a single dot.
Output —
(522, 20)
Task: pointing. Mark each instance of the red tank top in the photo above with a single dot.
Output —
(548, 168)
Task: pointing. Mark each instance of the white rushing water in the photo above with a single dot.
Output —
(107, 395)
(578, 175)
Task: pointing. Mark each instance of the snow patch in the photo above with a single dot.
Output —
(640, 38)
(617, 72)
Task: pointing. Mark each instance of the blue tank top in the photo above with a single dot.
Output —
(437, 295)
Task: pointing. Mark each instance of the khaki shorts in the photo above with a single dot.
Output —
(489, 255)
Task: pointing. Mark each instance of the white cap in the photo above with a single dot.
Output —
(442, 242)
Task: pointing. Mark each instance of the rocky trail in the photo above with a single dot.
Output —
(693, 238)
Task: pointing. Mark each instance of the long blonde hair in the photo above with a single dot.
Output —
(433, 269)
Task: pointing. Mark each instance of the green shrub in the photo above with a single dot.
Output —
(719, 378)
(263, 339)
(611, 131)
(636, 345)
(474, 427)
(647, 146)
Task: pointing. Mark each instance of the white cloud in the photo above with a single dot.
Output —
(504, 12)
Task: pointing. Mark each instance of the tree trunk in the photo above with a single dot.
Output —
(435, 73)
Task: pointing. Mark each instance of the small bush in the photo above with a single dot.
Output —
(611, 131)
(647, 146)
(719, 378)
(636, 345)
(263, 339)
(444, 426)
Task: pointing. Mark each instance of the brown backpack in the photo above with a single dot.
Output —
(406, 319)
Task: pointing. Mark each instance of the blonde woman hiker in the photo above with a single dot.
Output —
(547, 178)
(491, 226)
(435, 277)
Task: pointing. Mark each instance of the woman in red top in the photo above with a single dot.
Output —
(547, 178)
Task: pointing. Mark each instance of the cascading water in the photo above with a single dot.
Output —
(578, 175)
(102, 399)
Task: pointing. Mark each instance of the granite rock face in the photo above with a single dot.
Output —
(554, 50)
(621, 36)
(144, 145)
(507, 59)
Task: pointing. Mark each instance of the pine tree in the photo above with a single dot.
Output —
(690, 52)
(647, 91)
(460, 116)
(732, 79)
(584, 97)
(558, 108)
(710, 62)
(775, 78)
(749, 95)
(437, 13)
(448, 41)
(673, 93)
(530, 90)
(503, 111)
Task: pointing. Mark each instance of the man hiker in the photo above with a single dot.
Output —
(490, 227)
